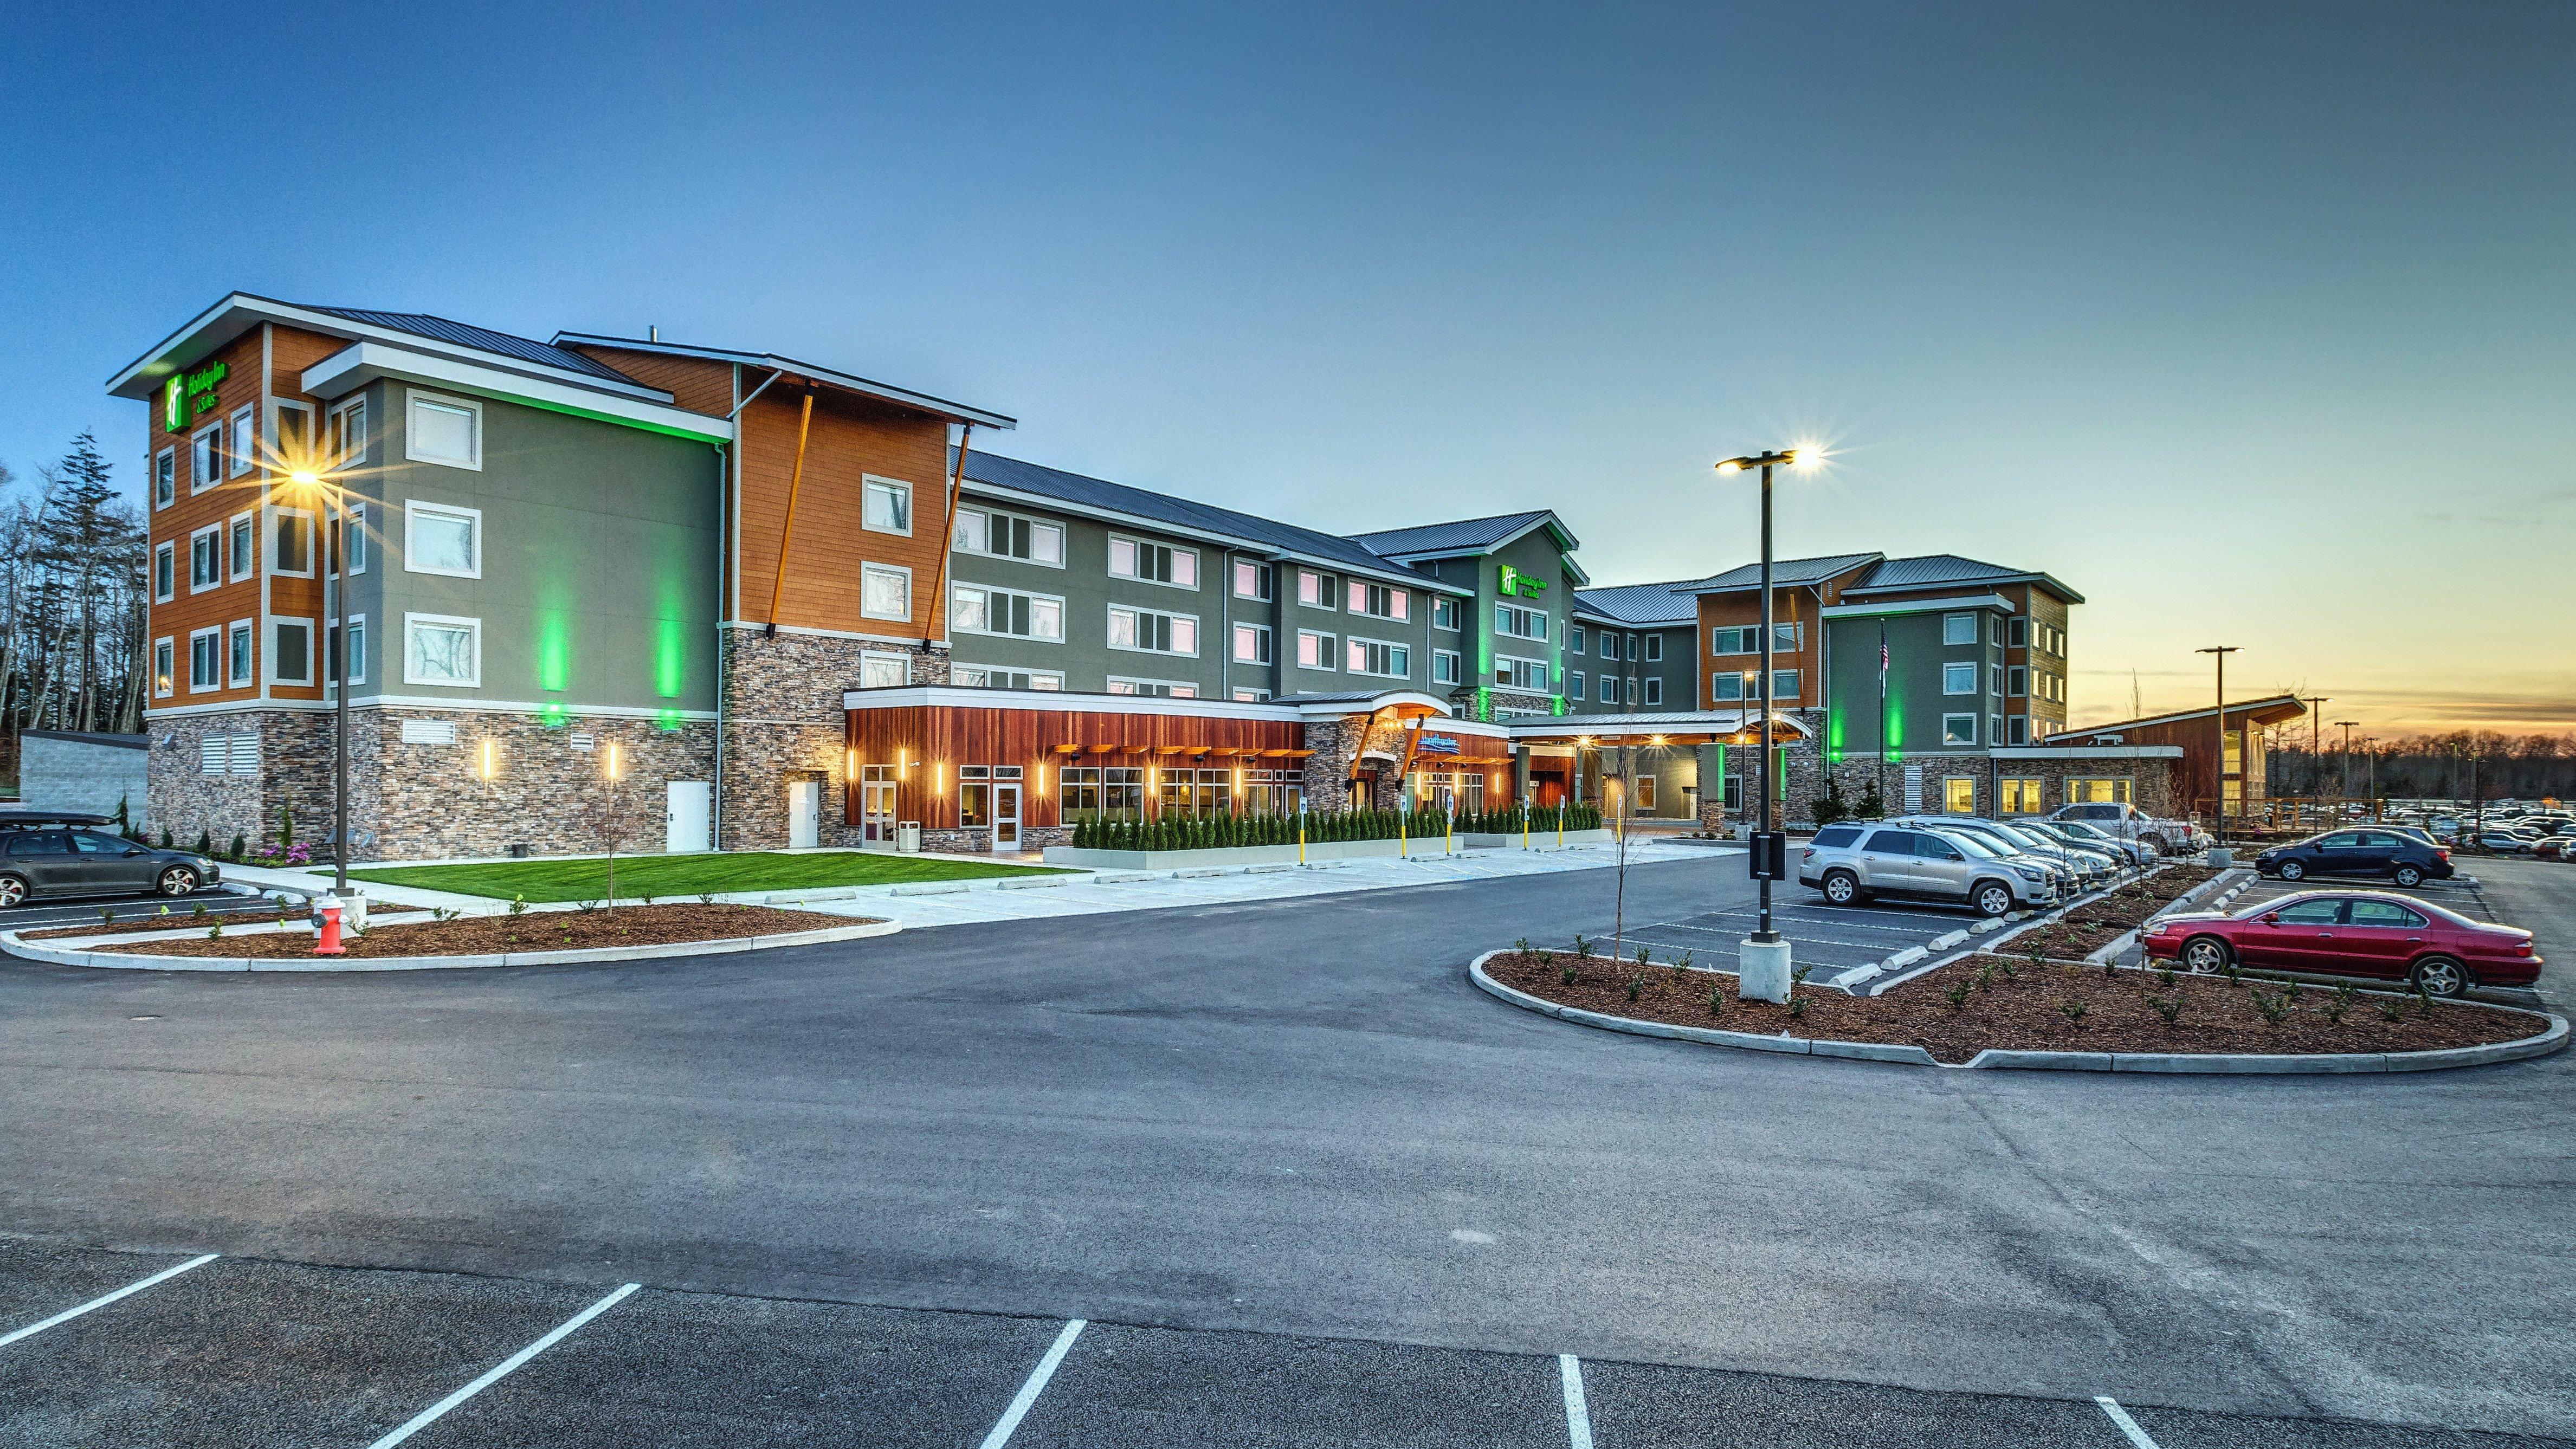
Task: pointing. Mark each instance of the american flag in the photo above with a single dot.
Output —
(1882, 662)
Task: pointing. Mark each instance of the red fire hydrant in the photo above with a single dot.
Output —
(330, 945)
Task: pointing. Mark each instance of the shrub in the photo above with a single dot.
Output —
(240, 846)
(1716, 1001)
(1636, 987)
(2168, 1007)
(2392, 1008)
(1873, 804)
(518, 904)
(1797, 1006)
(2075, 1007)
(165, 837)
(2273, 1004)
(1831, 807)
(1986, 978)
(2338, 1004)
(1958, 994)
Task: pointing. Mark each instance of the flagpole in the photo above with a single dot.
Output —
(1882, 714)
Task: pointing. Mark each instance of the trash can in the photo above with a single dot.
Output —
(907, 838)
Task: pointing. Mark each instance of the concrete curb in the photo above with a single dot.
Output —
(122, 961)
(2185, 901)
(2553, 1039)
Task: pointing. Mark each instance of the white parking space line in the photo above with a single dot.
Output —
(68, 1314)
(1028, 1394)
(1578, 1415)
(2137, 1437)
(502, 1370)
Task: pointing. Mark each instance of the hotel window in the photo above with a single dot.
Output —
(290, 651)
(1251, 696)
(1748, 639)
(1784, 684)
(1958, 795)
(357, 650)
(887, 507)
(1008, 535)
(2019, 638)
(1958, 679)
(205, 459)
(2015, 796)
(205, 660)
(885, 591)
(1251, 579)
(1609, 689)
(1519, 623)
(1314, 590)
(1314, 651)
(245, 443)
(1654, 691)
(880, 670)
(1574, 639)
(1609, 645)
(1380, 603)
(2097, 792)
(165, 478)
(1251, 644)
(242, 544)
(1574, 683)
(1958, 628)
(165, 569)
(985, 676)
(2021, 729)
(344, 434)
(1154, 688)
(1732, 687)
(237, 653)
(165, 656)
(356, 530)
(1447, 667)
(440, 539)
(1514, 672)
(1153, 563)
(205, 558)
(1995, 678)
(443, 650)
(1654, 649)
(447, 431)
(1447, 614)
(293, 430)
(1645, 792)
(978, 610)
(1152, 633)
(2019, 680)
(1958, 729)
(1995, 728)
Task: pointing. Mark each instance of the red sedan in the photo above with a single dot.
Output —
(2352, 933)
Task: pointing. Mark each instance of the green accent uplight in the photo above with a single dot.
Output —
(554, 716)
(668, 719)
(670, 659)
(554, 653)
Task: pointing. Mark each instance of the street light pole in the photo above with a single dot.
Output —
(2316, 753)
(1763, 961)
(340, 710)
(2219, 815)
(2347, 725)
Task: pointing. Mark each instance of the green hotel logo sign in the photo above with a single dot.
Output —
(1516, 584)
(189, 396)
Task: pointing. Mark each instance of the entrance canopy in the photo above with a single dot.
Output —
(1676, 729)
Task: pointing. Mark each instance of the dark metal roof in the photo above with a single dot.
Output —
(789, 366)
(1255, 533)
(483, 339)
(1785, 572)
(1466, 535)
(1643, 604)
(1935, 570)
(90, 737)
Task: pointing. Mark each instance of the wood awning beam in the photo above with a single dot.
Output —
(787, 526)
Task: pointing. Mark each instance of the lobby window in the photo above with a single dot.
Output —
(2016, 796)
(164, 660)
(447, 431)
(1252, 579)
(1447, 667)
(1958, 729)
(1447, 613)
(1149, 632)
(205, 660)
(165, 570)
(885, 591)
(1958, 679)
(1008, 535)
(1373, 656)
(1958, 628)
(441, 539)
(887, 507)
(1153, 563)
(975, 609)
(345, 433)
(1251, 644)
(443, 650)
(290, 651)
(1314, 651)
(165, 478)
(206, 557)
(1654, 691)
(237, 652)
(1379, 602)
(1645, 792)
(1959, 795)
(1314, 590)
(2114, 791)
(205, 459)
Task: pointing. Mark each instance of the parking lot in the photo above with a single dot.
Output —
(45, 912)
(237, 1352)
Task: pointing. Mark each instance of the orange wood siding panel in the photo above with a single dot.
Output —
(851, 439)
(696, 383)
(939, 738)
(220, 606)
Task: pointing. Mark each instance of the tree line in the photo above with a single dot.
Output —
(75, 563)
(2426, 766)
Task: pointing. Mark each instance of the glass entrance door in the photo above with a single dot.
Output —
(1006, 817)
(876, 806)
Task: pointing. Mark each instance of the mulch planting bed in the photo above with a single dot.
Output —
(502, 935)
(2097, 923)
(2028, 1010)
(183, 920)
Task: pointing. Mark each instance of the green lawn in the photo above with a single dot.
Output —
(679, 877)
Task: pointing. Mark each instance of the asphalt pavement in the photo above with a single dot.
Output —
(1306, 1183)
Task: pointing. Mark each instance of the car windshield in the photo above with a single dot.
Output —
(2018, 835)
(2079, 830)
(1971, 842)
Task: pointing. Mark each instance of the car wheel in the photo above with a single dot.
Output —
(2440, 976)
(1992, 899)
(12, 891)
(2156, 843)
(2292, 870)
(2409, 877)
(1841, 887)
(178, 880)
(2203, 955)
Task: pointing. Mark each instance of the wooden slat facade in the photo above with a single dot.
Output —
(934, 740)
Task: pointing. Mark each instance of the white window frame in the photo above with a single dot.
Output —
(337, 431)
(1108, 635)
(165, 666)
(1367, 643)
(241, 537)
(245, 440)
(1448, 604)
(902, 667)
(869, 485)
(312, 541)
(312, 648)
(205, 457)
(1142, 688)
(354, 537)
(989, 591)
(1573, 638)
(1795, 683)
(248, 674)
(1327, 649)
(412, 400)
(1954, 671)
(1655, 690)
(1950, 626)
(1504, 671)
(216, 533)
(165, 477)
(1034, 522)
(1457, 670)
(1399, 601)
(1260, 633)
(1327, 591)
(1950, 737)
(1608, 689)
(1265, 579)
(357, 625)
(1053, 678)
(1251, 696)
(214, 635)
(474, 626)
(1138, 545)
(165, 570)
(413, 508)
(895, 570)
(1654, 649)
(2017, 680)
(1519, 612)
(1575, 686)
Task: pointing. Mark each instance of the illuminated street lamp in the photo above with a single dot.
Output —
(1765, 957)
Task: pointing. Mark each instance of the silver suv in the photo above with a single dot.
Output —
(1851, 863)
(2075, 872)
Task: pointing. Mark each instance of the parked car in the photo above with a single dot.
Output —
(48, 858)
(2351, 933)
(2136, 854)
(2373, 852)
(2079, 871)
(2555, 847)
(2504, 842)
(2114, 855)
(2128, 822)
(1851, 863)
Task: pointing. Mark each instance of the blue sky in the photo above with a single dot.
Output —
(2257, 329)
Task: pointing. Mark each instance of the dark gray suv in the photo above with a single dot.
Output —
(63, 860)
